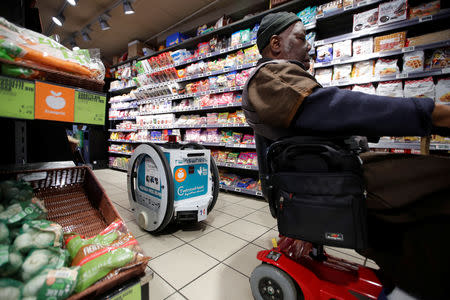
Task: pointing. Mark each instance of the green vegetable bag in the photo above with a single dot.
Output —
(18, 213)
(4, 233)
(16, 191)
(38, 234)
(10, 289)
(10, 261)
(75, 242)
(39, 259)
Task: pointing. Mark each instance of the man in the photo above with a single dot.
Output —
(282, 99)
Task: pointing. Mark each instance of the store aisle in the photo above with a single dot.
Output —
(211, 259)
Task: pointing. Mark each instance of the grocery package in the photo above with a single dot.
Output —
(440, 58)
(35, 49)
(392, 11)
(10, 289)
(18, 213)
(443, 90)
(329, 7)
(342, 49)
(324, 53)
(365, 20)
(390, 89)
(363, 69)
(323, 76)
(388, 42)
(385, 67)
(311, 37)
(38, 234)
(346, 3)
(365, 88)
(39, 259)
(363, 46)
(308, 15)
(422, 88)
(424, 9)
(12, 191)
(342, 72)
(413, 61)
(428, 38)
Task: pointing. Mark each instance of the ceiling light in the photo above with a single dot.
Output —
(59, 19)
(74, 45)
(73, 2)
(85, 36)
(104, 25)
(127, 8)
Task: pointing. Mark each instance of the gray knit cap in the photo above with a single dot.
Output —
(273, 24)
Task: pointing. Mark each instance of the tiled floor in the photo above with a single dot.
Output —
(212, 259)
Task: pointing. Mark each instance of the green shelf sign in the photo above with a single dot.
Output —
(16, 98)
(89, 108)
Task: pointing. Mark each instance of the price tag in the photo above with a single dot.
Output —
(337, 61)
(200, 57)
(188, 77)
(247, 167)
(237, 189)
(239, 46)
(223, 50)
(215, 106)
(362, 3)
(220, 90)
(189, 60)
(425, 19)
(208, 54)
(203, 125)
(239, 67)
(258, 194)
(408, 49)
(230, 104)
(208, 73)
(401, 76)
(348, 7)
(319, 43)
(233, 88)
(319, 16)
(445, 70)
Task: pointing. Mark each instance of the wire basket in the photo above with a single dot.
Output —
(75, 199)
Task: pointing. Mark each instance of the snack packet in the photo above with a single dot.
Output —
(10, 289)
(38, 234)
(413, 61)
(324, 53)
(364, 88)
(385, 67)
(342, 49)
(18, 213)
(443, 90)
(10, 261)
(342, 72)
(363, 46)
(423, 88)
(39, 259)
(390, 89)
(363, 69)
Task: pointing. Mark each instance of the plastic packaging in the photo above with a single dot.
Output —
(324, 53)
(364, 88)
(413, 61)
(38, 234)
(18, 213)
(10, 261)
(342, 72)
(388, 42)
(342, 49)
(323, 76)
(39, 259)
(390, 89)
(363, 46)
(385, 67)
(423, 88)
(10, 289)
(424, 9)
(365, 20)
(392, 11)
(363, 69)
(443, 90)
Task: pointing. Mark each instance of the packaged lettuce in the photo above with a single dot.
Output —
(16, 191)
(53, 284)
(18, 213)
(39, 259)
(75, 242)
(4, 233)
(10, 289)
(97, 265)
(10, 261)
(38, 234)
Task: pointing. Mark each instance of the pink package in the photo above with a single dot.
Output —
(226, 98)
(211, 118)
(243, 158)
(248, 139)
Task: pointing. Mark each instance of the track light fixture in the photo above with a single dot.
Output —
(59, 19)
(103, 21)
(74, 45)
(85, 33)
(73, 2)
(127, 8)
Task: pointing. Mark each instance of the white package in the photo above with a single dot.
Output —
(365, 20)
(363, 46)
(390, 88)
(413, 61)
(365, 88)
(392, 11)
(342, 72)
(363, 69)
(423, 88)
(385, 67)
(323, 76)
(342, 49)
(443, 91)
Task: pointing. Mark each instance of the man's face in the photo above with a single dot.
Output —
(294, 45)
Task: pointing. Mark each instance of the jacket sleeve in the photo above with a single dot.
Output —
(335, 111)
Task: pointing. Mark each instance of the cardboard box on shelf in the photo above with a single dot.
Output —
(135, 49)
(428, 38)
(175, 38)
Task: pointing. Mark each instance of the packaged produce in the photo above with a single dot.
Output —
(10, 261)
(324, 53)
(308, 15)
(245, 36)
(425, 9)
(392, 11)
(39, 259)
(38, 234)
(388, 42)
(413, 61)
(365, 88)
(323, 76)
(35, 49)
(75, 242)
(329, 7)
(18, 213)
(363, 46)
(10, 289)
(342, 49)
(385, 67)
(365, 20)
(12, 191)
(363, 69)
(390, 88)
(4, 233)
(311, 37)
(428, 38)
(54, 284)
(440, 58)
(423, 88)
(342, 72)
(443, 90)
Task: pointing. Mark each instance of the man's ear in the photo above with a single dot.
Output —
(275, 44)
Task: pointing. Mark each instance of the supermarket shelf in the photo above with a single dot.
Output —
(124, 108)
(117, 168)
(119, 101)
(412, 146)
(123, 90)
(346, 9)
(443, 14)
(122, 119)
(193, 109)
(184, 96)
(381, 54)
(122, 130)
(121, 153)
(196, 126)
(201, 75)
(389, 77)
(236, 166)
(241, 190)
(227, 145)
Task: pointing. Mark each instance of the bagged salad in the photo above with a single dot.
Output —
(39, 259)
(38, 234)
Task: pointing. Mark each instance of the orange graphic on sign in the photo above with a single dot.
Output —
(54, 102)
(180, 175)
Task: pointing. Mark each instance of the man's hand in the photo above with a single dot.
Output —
(441, 115)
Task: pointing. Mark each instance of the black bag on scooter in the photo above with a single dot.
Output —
(320, 186)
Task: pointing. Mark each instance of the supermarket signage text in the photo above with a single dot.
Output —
(17, 98)
(89, 108)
